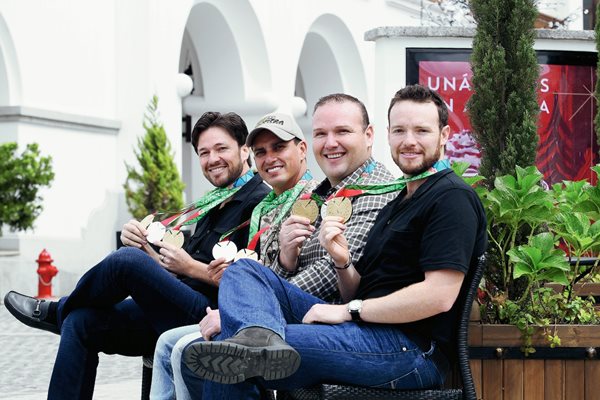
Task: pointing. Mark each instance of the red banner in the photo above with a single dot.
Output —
(567, 147)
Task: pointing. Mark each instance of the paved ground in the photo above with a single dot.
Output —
(27, 356)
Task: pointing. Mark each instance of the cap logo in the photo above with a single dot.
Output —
(270, 120)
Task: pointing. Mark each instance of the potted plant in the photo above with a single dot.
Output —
(537, 237)
(21, 178)
(157, 186)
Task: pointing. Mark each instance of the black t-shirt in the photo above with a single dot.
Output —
(220, 220)
(442, 226)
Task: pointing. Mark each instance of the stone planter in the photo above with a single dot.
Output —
(502, 372)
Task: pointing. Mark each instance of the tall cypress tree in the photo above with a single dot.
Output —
(504, 109)
(158, 186)
(597, 90)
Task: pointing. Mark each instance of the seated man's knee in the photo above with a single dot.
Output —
(126, 254)
(79, 322)
(242, 269)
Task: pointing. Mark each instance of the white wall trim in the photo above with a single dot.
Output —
(38, 116)
(458, 32)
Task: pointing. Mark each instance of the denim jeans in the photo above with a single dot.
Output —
(98, 317)
(365, 354)
(167, 383)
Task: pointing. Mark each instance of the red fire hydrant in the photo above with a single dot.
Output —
(46, 271)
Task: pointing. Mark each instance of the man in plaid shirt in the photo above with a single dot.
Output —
(342, 143)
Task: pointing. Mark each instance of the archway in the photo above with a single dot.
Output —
(223, 50)
(10, 81)
(329, 63)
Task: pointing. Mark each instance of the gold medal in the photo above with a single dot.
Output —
(225, 249)
(156, 231)
(306, 208)
(174, 237)
(246, 253)
(339, 207)
(147, 221)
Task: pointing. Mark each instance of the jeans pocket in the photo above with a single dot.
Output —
(410, 380)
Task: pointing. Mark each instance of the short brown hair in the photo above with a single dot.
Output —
(232, 123)
(342, 98)
(421, 94)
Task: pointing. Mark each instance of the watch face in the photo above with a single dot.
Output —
(355, 305)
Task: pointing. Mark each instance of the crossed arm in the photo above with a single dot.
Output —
(435, 294)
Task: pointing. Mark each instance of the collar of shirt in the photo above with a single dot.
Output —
(324, 189)
(431, 180)
(242, 180)
(248, 188)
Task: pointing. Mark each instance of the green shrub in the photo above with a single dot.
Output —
(158, 185)
(21, 177)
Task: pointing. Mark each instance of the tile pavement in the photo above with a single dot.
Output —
(27, 356)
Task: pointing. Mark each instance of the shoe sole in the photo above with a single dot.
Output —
(230, 363)
(29, 321)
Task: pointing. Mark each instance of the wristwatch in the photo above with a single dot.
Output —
(354, 308)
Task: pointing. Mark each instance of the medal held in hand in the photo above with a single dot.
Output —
(306, 208)
(246, 253)
(337, 207)
(156, 232)
(225, 249)
(147, 221)
(174, 237)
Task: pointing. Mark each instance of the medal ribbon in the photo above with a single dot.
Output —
(254, 241)
(206, 203)
(270, 202)
(397, 185)
(367, 170)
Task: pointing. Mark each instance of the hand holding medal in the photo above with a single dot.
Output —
(158, 232)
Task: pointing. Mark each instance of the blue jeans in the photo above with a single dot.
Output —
(167, 383)
(375, 355)
(98, 317)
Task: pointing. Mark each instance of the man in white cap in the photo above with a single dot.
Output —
(280, 153)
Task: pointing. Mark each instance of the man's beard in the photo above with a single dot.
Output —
(234, 175)
(425, 165)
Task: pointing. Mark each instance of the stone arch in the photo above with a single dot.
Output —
(10, 80)
(329, 63)
(224, 51)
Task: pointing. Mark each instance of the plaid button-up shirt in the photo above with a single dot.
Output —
(314, 273)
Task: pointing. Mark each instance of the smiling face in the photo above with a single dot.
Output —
(221, 158)
(281, 164)
(340, 142)
(414, 135)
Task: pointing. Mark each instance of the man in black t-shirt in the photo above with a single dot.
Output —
(397, 324)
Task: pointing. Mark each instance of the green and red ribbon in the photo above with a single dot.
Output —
(193, 212)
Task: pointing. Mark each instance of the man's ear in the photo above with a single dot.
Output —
(244, 153)
(370, 135)
(445, 135)
(303, 148)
